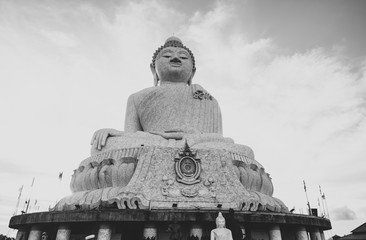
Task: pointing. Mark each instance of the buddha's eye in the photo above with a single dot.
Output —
(183, 57)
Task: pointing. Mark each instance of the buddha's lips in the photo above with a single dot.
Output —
(175, 64)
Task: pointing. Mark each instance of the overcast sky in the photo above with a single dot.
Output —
(289, 76)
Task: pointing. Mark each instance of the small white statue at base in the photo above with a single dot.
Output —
(221, 232)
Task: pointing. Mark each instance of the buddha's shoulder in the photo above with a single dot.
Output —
(169, 89)
(197, 87)
(200, 92)
(163, 88)
(142, 93)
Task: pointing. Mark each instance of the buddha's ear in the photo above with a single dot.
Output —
(189, 82)
(156, 78)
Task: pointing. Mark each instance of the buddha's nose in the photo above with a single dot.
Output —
(175, 60)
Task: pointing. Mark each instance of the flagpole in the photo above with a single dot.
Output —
(35, 204)
(322, 197)
(326, 207)
(60, 175)
(20, 194)
(307, 199)
(24, 206)
(30, 194)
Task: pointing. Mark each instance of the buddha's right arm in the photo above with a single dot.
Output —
(132, 124)
(132, 121)
(99, 138)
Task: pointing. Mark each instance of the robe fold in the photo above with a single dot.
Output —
(173, 107)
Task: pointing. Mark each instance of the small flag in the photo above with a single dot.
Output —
(32, 182)
(320, 191)
(60, 175)
(304, 185)
(20, 192)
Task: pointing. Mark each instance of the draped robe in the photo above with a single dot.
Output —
(173, 108)
(221, 234)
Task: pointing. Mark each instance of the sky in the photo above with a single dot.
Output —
(290, 77)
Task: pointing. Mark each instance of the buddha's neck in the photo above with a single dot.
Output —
(173, 83)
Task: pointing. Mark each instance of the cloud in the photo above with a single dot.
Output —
(343, 213)
(303, 112)
(69, 66)
(60, 38)
(362, 212)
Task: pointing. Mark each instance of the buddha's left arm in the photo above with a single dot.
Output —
(219, 130)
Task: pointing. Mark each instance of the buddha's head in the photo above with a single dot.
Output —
(220, 221)
(173, 62)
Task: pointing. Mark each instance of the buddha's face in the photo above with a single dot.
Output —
(174, 64)
(220, 223)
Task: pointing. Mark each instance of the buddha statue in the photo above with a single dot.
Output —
(173, 106)
(172, 149)
(220, 232)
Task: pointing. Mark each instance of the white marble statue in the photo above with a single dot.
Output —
(174, 106)
(221, 232)
(138, 166)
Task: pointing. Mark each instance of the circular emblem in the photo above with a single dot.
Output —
(188, 170)
(188, 166)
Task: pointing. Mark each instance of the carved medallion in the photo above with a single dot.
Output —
(201, 95)
(187, 167)
(189, 192)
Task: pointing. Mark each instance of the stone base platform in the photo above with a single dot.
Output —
(210, 173)
(134, 224)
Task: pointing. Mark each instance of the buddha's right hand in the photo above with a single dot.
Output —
(99, 138)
